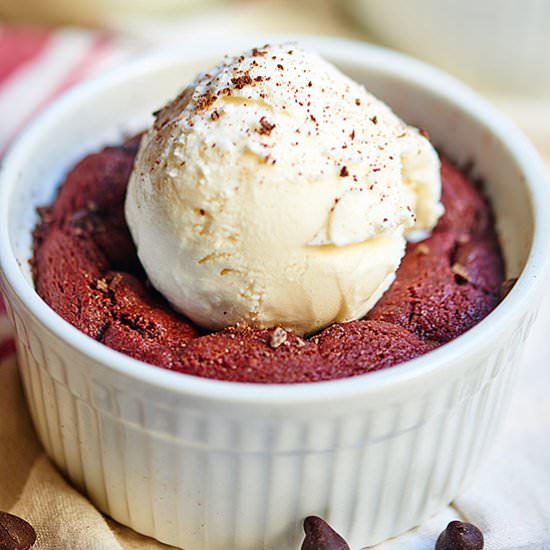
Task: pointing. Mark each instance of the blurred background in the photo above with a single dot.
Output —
(499, 47)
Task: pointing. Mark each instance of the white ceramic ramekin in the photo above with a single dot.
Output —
(215, 465)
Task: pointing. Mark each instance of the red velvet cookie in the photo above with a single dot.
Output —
(86, 268)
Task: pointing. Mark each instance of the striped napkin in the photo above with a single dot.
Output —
(36, 65)
(510, 500)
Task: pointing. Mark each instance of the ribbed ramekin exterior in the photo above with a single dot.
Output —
(221, 478)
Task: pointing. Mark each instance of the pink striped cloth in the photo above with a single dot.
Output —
(36, 65)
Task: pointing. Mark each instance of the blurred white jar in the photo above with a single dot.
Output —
(97, 12)
(496, 44)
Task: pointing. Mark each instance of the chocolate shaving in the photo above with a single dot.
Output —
(266, 127)
(241, 81)
(344, 172)
(256, 52)
(204, 101)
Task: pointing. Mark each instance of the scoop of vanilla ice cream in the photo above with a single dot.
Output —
(275, 190)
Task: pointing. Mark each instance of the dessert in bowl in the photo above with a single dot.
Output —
(272, 198)
(205, 463)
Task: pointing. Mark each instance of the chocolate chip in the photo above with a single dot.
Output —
(460, 536)
(321, 536)
(15, 533)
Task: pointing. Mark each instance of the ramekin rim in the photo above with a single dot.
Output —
(447, 356)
